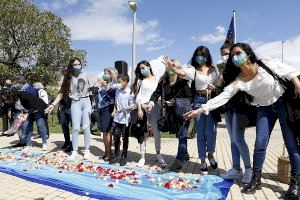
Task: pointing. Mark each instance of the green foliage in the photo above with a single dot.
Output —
(33, 43)
(7, 72)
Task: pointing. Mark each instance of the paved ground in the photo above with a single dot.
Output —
(15, 188)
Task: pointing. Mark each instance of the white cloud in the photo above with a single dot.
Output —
(58, 4)
(291, 50)
(212, 38)
(104, 20)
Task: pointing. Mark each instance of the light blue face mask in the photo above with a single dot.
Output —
(145, 71)
(239, 60)
(201, 60)
(77, 68)
(106, 77)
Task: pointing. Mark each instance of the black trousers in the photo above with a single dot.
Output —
(120, 130)
(65, 121)
(5, 119)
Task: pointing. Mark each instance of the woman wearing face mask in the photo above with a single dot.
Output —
(75, 85)
(204, 77)
(106, 95)
(171, 87)
(144, 85)
(248, 75)
(239, 147)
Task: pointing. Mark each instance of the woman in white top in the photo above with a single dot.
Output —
(247, 75)
(204, 77)
(144, 85)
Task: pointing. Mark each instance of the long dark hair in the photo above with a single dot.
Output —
(206, 54)
(241, 99)
(65, 87)
(11, 95)
(231, 71)
(139, 75)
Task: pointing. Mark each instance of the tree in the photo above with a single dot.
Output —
(34, 43)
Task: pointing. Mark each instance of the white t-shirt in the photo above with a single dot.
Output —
(146, 90)
(263, 87)
(43, 95)
(79, 86)
(201, 81)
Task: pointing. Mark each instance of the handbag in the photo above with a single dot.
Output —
(138, 127)
(247, 118)
(182, 106)
(246, 113)
(293, 103)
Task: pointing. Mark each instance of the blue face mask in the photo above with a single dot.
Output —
(106, 77)
(239, 60)
(77, 68)
(201, 60)
(145, 71)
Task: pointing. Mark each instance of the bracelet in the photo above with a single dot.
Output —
(52, 105)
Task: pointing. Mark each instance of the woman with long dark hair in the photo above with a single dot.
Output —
(204, 77)
(75, 85)
(248, 74)
(144, 85)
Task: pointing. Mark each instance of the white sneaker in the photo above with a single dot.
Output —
(26, 149)
(141, 162)
(232, 174)
(86, 155)
(160, 159)
(73, 155)
(247, 176)
(45, 147)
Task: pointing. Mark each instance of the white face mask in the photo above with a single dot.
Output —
(118, 85)
(225, 58)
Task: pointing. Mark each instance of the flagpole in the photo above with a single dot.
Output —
(234, 24)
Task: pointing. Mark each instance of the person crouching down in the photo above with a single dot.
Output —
(124, 103)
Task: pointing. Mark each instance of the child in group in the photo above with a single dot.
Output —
(124, 103)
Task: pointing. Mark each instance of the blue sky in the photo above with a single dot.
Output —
(175, 28)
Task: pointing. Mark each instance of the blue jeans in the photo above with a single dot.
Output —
(65, 119)
(41, 124)
(239, 147)
(206, 129)
(266, 118)
(182, 142)
(81, 114)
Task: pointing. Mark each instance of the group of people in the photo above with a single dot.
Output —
(201, 90)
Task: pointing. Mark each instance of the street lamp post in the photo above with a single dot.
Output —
(282, 42)
(133, 5)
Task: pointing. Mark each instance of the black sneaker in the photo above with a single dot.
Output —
(175, 166)
(69, 148)
(123, 161)
(203, 167)
(213, 163)
(102, 157)
(19, 145)
(187, 157)
(113, 160)
(66, 145)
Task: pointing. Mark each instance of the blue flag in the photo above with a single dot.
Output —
(230, 38)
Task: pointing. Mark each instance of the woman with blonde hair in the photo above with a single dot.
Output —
(106, 95)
